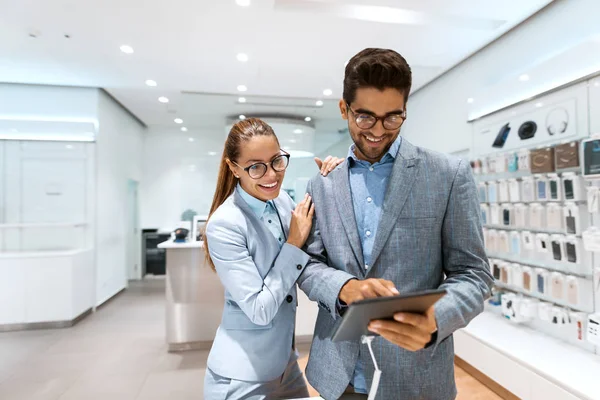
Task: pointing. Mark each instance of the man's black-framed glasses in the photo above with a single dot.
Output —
(367, 121)
(258, 170)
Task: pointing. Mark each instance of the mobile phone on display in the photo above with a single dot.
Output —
(556, 252)
(571, 228)
(569, 195)
(591, 157)
(502, 136)
(571, 253)
(541, 190)
(506, 215)
(553, 190)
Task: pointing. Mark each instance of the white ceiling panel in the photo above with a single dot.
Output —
(296, 48)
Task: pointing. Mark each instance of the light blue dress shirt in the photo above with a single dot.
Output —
(265, 211)
(368, 184)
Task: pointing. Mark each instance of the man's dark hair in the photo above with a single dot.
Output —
(379, 69)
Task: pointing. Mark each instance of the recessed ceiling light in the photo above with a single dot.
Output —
(327, 92)
(183, 129)
(286, 147)
(242, 117)
(596, 83)
(470, 100)
(126, 49)
(539, 105)
(163, 99)
(150, 82)
(13, 130)
(212, 153)
(524, 78)
(297, 131)
(242, 100)
(308, 119)
(191, 139)
(69, 146)
(319, 103)
(178, 121)
(242, 88)
(242, 3)
(293, 140)
(242, 57)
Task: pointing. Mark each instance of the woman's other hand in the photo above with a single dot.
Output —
(328, 165)
(301, 222)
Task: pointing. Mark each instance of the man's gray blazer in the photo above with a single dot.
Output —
(429, 237)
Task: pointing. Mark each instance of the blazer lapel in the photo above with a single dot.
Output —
(256, 222)
(343, 199)
(400, 183)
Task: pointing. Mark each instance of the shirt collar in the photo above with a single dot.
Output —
(390, 155)
(258, 206)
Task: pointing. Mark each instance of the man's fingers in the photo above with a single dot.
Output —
(412, 319)
(367, 290)
(413, 333)
(383, 289)
(390, 285)
(400, 340)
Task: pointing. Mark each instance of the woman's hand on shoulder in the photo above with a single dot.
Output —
(328, 165)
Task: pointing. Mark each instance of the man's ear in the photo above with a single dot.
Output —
(343, 109)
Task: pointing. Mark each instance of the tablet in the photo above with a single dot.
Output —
(358, 315)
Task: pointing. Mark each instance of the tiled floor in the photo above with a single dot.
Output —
(118, 354)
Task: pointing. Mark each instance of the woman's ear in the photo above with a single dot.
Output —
(232, 167)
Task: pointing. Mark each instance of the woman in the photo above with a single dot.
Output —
(254, 238)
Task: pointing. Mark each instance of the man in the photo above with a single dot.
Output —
(393, 218)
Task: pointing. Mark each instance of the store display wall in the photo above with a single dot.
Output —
(538, 214)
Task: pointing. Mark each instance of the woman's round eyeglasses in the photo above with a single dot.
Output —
(258, 170)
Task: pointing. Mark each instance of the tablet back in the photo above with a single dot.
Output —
(356, 319)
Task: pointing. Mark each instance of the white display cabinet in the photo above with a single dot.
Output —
(46, 233)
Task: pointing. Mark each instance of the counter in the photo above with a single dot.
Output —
(194, 297)
(45, 289)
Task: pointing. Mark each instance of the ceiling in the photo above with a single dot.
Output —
(295, 49)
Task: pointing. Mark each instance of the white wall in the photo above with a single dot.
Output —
(437, 114)
(54, 102)
(179, 174)
(119, 149)
(117, 155)
(29, 168)
(46, 183)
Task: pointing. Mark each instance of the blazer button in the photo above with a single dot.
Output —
(299, 267)
(289, 298)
